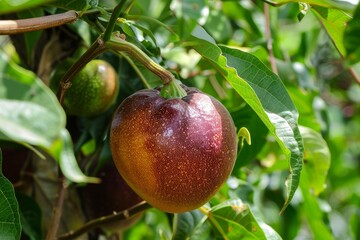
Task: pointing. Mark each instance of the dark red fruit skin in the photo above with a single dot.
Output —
(175, 153)
(111, 195)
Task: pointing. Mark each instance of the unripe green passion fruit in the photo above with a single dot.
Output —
(93, 90)
(174, 153)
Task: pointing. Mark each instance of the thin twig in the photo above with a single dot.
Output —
(57, 210)
(151, 19)
(214, 222)
(8, 27)
(268, 38)
(354, 75)
(126, 214)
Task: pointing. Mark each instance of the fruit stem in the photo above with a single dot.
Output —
(172, 90)
(117, 43)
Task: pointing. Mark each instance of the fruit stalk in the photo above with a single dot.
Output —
(118, 44)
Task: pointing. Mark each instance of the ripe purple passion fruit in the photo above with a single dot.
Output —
(174, 153)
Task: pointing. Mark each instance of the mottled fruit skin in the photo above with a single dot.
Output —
(175, 153)
(93, 90)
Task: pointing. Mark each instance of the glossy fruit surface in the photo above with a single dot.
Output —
(175, 153)
(92, 91)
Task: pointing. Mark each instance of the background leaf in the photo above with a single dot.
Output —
(234, 220)
(189, 14)
(345, 5)
(317, 159)
(352, 37)
(8, 6)
(190, 225)
(265, 93)
(64, 153)
(334, 21)
(31, 38)
(30, 216)
(10, 227)
(77, 5)
(20, 110)
(312, 210)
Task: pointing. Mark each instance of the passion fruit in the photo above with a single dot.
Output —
(174, 153)
(93, 90)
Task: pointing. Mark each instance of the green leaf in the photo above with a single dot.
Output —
(312, 210)
(8, 6)
(344, 5)
(30, 112)
(189, 14)
(10, 227)
(246, 117)
(352, 37)
(265, 93)
(31, 38)
(77, 5)
(30, 216)
(63, 151)
(317, 159)
(334, 21)
(190, 225)
(234, 220)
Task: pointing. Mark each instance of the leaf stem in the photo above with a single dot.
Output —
(9, 27)
(150, 19)
(117, 43)
(115, 14)
(213, 221)
(126, 214)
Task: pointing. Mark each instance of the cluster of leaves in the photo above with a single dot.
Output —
(304, 108)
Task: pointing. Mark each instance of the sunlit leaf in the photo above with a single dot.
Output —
(234, 220)
(77, 5)
(344, 5)
(317, 159)
(190, 225)
(246, 117)
(334, 21)
(264, 92)
(31, 38)
(29, 111)
(312, 210)
(10, 227)
(8, 6)
(189, 14)
(352, 37)
(67, 161)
